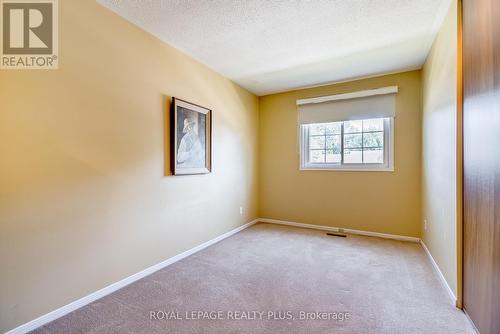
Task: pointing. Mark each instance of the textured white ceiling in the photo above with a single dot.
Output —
(275, 45)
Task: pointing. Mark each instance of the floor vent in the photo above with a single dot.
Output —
(337, 234)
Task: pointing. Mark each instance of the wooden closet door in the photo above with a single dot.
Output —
(481, 111)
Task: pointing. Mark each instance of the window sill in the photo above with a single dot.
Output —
(390, 170)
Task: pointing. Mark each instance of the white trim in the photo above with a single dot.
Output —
(309, 168)
(347, 96)
(440, 274)
(339, 229)
(51, 316)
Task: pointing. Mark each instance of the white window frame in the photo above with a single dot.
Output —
(387, 166)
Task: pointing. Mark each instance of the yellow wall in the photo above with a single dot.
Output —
(83, 197)
(439, 190)
(387, 202)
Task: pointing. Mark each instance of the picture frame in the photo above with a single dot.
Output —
(190, 138)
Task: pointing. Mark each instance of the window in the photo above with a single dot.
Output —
(348, 131)
(348, 145)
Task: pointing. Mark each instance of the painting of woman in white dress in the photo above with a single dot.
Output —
(192, 146)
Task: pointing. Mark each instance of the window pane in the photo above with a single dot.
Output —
(333, 128)
(353, 126)
(353, 156)
(332, 156)
(376, 124)
(373, 156)
(316, 156)
(317, 129)
(353, 141)
(333, 143)
(373, 139)
(317, 142)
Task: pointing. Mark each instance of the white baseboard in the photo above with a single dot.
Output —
(440, 274)
(46, 318)
(337, 229)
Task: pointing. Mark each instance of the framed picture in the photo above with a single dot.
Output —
(191, 138)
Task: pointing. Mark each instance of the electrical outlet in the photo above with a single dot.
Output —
(425, 224)
(241, 210)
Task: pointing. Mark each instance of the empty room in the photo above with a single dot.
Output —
(250, 166)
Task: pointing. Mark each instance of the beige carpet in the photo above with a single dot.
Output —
(267, 278)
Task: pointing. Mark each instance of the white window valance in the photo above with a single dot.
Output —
(374, 103)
